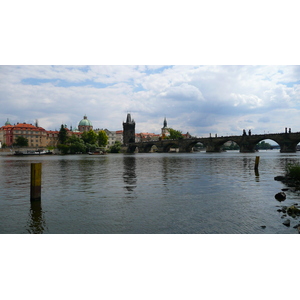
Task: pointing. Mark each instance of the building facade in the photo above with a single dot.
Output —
(36, 136)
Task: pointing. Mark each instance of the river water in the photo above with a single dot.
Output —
(150, 193)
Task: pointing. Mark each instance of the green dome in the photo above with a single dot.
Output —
(85, 122)
(7, 122)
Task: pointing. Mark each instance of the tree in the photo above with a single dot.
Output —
(73, 139)
(62, 135)
(63, 148)
(102, 138)
(76, 144)
(77, 147)
(91, 147)
(116, 148)
(264, 145)
(21, 141)
(174, 134)
(89, 137)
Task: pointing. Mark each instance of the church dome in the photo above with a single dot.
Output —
(85, 122)
(7, 122)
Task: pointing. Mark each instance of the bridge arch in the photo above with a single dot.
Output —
(266, 140)
(150, 147)
(191, 145)
(168, 146)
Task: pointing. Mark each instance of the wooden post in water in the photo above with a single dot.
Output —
(256, 163)
(36, 182)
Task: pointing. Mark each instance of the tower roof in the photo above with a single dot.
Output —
(128, 119)
(85, 122)
(165, 123)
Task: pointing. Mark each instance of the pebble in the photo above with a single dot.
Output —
(287, 223)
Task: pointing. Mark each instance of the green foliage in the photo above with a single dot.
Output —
(21, 141)
(77, 147)
(174, 134)
(91, 147)
(90, 137)
(264, 145)
(293, 171)
(76, 144)
(62, 135)
(4, 145)
(116, 148)
(102, 138)
(74, 139)
(64, 149)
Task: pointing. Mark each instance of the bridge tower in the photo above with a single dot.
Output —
(165, 129)
(128, 130)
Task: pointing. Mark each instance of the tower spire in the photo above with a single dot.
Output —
(165, 122)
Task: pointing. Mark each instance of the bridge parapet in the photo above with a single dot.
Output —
(287, 142)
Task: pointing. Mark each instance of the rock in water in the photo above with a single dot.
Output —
(280, 196)
(279, 178)
(287, 223)
(293, 210)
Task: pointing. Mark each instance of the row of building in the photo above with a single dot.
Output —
(38, 137)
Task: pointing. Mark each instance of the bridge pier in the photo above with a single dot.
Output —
(288, 147)
(211, 147)
(246, 146)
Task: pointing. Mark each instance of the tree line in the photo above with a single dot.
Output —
(88, 141)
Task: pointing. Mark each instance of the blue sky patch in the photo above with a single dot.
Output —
(62, 83)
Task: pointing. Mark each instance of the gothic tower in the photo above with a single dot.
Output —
(128, 131)
(165, 129)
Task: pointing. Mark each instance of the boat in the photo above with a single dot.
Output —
(97, 153)
(33, 152)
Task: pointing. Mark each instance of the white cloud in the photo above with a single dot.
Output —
(198, 99)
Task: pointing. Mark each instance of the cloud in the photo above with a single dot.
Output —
(198, 99)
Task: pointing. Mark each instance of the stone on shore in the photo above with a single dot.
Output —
(287, 223)
(293, 210)
(279, 178)
(280, 196)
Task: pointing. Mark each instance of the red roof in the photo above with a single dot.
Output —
(25, 126)
(6, 127)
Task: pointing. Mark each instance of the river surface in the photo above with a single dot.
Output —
(150, 193)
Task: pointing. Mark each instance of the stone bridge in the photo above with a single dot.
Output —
(287, 142)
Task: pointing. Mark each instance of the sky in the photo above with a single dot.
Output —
(199, 99)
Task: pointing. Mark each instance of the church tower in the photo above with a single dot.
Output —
(128, 130)
(165, 129)
(85, 124)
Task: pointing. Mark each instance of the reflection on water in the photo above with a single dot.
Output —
(129, 175)
(36, 221)
(146, 193)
